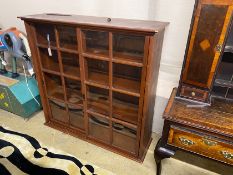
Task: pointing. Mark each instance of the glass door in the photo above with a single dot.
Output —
(60, 62)
(113, 64)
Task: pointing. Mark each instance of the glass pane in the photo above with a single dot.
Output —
(128, 47)
(124, 137)
(70, 64)
(49, 62)
(207, 36)
(67, 37)
(58, 111)
(219, 91)
(98, 71)
(54, 86)
(96, 42)
(98, 100)
(76, 116)
(99, 128)
(230, 94)
(45, 32)
(125, 107)
(73, 90)
(127, 77)
(225, 70)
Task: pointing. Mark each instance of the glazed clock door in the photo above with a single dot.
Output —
(210, 26)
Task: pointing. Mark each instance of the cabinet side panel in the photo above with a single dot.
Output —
(35, 60)
(153, 65)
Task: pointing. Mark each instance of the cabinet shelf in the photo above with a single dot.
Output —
(98, 53)
(127, 62)
(51, 71)
(68, 50)
(94, 76)
(94, 56)
(72, 77)
(96, 85)
(124, 85)
(130, 59)
(98, 78)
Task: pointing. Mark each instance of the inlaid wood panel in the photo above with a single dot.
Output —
(209, 30)
(201, 143)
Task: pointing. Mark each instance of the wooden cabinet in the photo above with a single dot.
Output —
(97, 77)
(199, 114)
(206, 44)
(205, 131)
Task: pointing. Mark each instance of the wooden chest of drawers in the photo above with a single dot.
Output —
(206, 131)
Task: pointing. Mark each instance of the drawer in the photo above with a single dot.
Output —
(202, 144)
(193, 93)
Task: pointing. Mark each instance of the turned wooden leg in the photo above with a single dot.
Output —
(160, 153)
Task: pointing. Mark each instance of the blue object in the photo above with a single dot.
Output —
(3, 45)
(15, 96)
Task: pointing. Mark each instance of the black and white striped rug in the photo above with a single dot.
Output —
(23, 154)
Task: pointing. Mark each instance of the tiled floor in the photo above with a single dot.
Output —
(106, 159)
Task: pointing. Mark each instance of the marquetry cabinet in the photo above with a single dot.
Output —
(199, 114)
(97, 77)
(210, 27)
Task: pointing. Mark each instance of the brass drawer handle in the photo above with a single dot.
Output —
(227, 155)
(193, 94)
(186, 142)
(209, 142)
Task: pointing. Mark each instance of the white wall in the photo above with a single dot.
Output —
(177, 12)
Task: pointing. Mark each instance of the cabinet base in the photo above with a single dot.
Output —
(81, 135)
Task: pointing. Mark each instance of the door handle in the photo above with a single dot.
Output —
(219, 48)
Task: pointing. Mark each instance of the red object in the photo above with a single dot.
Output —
(1, 44)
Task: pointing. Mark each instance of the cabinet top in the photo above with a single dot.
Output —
(114, 23)
(215, 118)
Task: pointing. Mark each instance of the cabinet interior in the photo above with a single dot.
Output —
(102, 98)
(223, 85)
